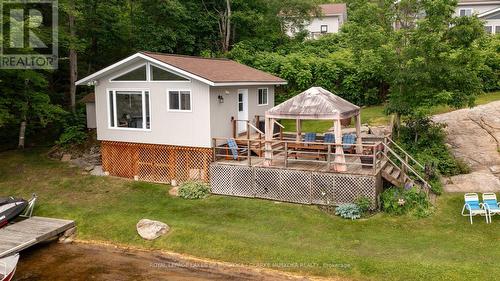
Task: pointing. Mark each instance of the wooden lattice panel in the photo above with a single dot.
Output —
(243, 182)
(267, 183)
(289, 185)
(155, 163)
(295, 186)
(323, 189)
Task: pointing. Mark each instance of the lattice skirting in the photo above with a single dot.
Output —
(304, 187)
(155, 163)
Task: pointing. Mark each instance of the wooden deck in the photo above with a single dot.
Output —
(26, 233)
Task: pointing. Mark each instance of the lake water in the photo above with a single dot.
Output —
(79, 262)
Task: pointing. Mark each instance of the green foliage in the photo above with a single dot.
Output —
(194, 190)
(399, 201)
(348, 211)
(364, 203)
(425, 140)
(74, 129)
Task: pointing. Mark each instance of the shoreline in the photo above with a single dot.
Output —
(205, 264)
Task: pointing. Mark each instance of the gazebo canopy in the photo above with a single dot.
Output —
(314, 103)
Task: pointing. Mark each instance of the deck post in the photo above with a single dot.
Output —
(339, 165)
(328, 156)
(286, 154)
(214, 149)
(249, 153)
(298, 128)
(233, 121)
(359, 141)
(374, 160)
(248, 129)
(268, 154)
(257, 124)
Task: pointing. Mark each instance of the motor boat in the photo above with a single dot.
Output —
(11, 207)
(8, 267)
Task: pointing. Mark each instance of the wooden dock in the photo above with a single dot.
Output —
(31, 231)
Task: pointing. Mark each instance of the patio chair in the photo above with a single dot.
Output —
(473, 207)
(235, 150)
(329, 138)
(310, 137)
(348, 142)
(491, 204)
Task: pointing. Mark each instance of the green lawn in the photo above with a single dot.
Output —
(374, 115)
(442, 247)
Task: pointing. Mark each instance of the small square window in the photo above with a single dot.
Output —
(488, 29)
(465, 12)
(179, 100)
(497, 29)
(324, 28)
(263, 96)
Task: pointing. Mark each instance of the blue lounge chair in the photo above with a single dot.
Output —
(348, 142)
(329, 138)
(491, 204)
(473, 207)
(235, 150)
(310, 137)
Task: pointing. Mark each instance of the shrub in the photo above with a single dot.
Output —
(73, 129)
(399, 201)
(364, 203)
(348, 211)
(194, 190)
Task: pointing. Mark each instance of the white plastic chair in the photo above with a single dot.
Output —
(491, 204)
(473, 207)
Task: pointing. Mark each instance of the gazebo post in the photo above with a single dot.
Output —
(298, 128)
(268, 155)
(359, 141)
(339, 150)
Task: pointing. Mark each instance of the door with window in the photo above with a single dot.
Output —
(242, 110)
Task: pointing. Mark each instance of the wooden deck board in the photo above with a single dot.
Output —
(26, 233)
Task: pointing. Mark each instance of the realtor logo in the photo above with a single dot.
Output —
(28, 30)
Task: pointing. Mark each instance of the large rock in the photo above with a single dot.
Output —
(150, 230)
(474, 137)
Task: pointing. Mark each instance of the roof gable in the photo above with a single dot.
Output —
(214, 72)
(314, 103)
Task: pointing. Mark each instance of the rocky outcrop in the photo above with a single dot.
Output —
(150, 229)
(474, 137)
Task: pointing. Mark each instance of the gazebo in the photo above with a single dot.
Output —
(315, 103)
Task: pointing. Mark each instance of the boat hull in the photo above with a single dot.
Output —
(11, 208)
(8, 267)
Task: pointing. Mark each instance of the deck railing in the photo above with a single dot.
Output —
(288, 151)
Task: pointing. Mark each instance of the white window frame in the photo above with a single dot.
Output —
(148, 75)
(492, 29)
(321, 28)
(465, 12)
(180, 110)
(267, 96)
(115, 117)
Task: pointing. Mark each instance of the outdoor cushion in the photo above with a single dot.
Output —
(348, 140)
(310, 137)
(329, 138)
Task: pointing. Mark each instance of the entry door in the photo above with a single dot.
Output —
(242, 110)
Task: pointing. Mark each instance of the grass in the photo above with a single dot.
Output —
(250, 231)
(374, 115)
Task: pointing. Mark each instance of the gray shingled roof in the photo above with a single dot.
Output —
(314, 103)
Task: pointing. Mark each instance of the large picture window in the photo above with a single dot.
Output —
(263, 96)
(129, 109)
(179, 100)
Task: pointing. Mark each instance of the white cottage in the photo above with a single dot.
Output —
(156, 114)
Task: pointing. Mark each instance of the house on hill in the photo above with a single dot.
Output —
(156, 114)
(487, 10)
(331, 19)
